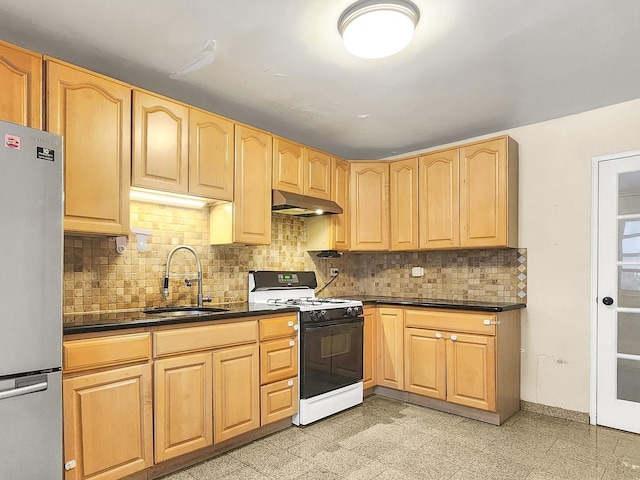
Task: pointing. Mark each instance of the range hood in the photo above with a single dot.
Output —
(302, 205)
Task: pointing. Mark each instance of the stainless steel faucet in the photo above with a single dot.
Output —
(188, 281)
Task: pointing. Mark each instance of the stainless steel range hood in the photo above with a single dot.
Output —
(302, 205)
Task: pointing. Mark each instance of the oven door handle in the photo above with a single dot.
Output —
(358, 321)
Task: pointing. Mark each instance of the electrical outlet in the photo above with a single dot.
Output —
(334, 272)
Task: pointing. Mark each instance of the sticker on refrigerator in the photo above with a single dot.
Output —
(12, 141)
(43, 153)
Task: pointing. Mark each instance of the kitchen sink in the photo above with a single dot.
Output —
(183, 311)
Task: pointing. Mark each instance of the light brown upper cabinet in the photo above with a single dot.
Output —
(21, 80)
(288, 166)
(404, 204)
(210, 155)
(438, 204)
(369, 198)
(93, 113)
(489, 193)
(160, 143)
(248, 219)
(301, 170)
(341, 233)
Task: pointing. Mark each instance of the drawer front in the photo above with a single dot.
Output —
(278, 360)
(169, 342)
(483, 323)
(285, 326)
(90, 353)
(278, 400)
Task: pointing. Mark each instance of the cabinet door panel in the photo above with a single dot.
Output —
(390, 347)
(252, 209)
(210, 155)
(279, 400)
(278, 360)
(471, 372)
(341, 227)
(370, 349)
(318, 175)
(183, 395)
(21, 80)
(483, 196)
(94, 115)
(160, 143)
(236, 386)
(404, 204)
(438, 204)
(107, 423)
(369, 206)
(424, 363)
(288, 166)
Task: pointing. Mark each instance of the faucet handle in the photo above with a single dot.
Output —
(207, 298)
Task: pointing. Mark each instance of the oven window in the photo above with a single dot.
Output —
(330, 357)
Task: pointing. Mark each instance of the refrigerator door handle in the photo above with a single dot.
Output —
(15, 392)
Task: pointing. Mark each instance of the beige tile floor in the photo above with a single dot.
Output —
(385, 439)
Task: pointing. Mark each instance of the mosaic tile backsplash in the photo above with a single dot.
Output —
(97, 278)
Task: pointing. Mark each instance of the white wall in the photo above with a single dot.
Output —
(555, 225)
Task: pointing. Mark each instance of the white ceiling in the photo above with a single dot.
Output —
(474, 67)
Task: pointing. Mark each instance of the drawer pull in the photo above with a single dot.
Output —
(438, 335)
(454, 337)
(291, 343)
(290, 324)
(295, 327)
(489, 322)
(290, 383)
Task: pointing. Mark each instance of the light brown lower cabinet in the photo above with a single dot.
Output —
(278, 400)
(424, 363)
(108, 423)
(369, 347)
(390, 339)
(183, 404)
(236, 394)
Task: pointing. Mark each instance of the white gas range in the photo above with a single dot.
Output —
(330, 341)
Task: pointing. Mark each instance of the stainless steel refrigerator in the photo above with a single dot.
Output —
(31, 198)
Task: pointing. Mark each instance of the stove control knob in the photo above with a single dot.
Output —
(323, 313)
(350, 312)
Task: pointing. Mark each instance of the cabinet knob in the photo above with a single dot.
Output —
(454, 337)
(290, 324)
(438, 335)
(295, 327)
(290, 383)
(487, 322)
(291, 343)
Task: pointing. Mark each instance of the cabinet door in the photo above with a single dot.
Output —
(183, 396)
(340, 194)
(94, 115)
(160, 143)
(278, 360)
(210, 155)
(438, 208)
(483, 194)
(252, 207)
(288, 166)
(424, 363)
(318, 174)
(21, 80)
(471, 371)
(236, 387)
(107, 423)
(403, 192)
(278, 400)
(369, 347)
(369, 206)
(390, 347)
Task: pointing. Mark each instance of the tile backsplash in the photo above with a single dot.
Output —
(97, 278)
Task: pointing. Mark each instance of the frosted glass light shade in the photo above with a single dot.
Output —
(377, 29)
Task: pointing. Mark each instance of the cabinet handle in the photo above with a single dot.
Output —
(438, 335)
(290, 324)
(454, 337)
(489, 322)
(295, 327)
(290, 383)
(291, 343)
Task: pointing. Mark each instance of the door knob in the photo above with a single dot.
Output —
(607, 301)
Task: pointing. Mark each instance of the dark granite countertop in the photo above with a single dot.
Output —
(100, 322)
(437, 303)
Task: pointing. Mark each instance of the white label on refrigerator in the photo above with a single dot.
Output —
(12, 141)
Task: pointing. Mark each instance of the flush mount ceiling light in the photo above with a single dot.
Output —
(378, 28)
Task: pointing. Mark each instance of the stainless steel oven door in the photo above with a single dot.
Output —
(330, 355)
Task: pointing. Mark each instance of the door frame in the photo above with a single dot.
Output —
(593, 350)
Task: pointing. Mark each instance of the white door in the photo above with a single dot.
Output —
(618, 292)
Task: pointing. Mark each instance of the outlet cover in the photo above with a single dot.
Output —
(417, 272)
(334, 272)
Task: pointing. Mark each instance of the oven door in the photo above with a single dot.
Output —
(330, 355)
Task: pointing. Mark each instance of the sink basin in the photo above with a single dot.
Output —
(183, 311)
